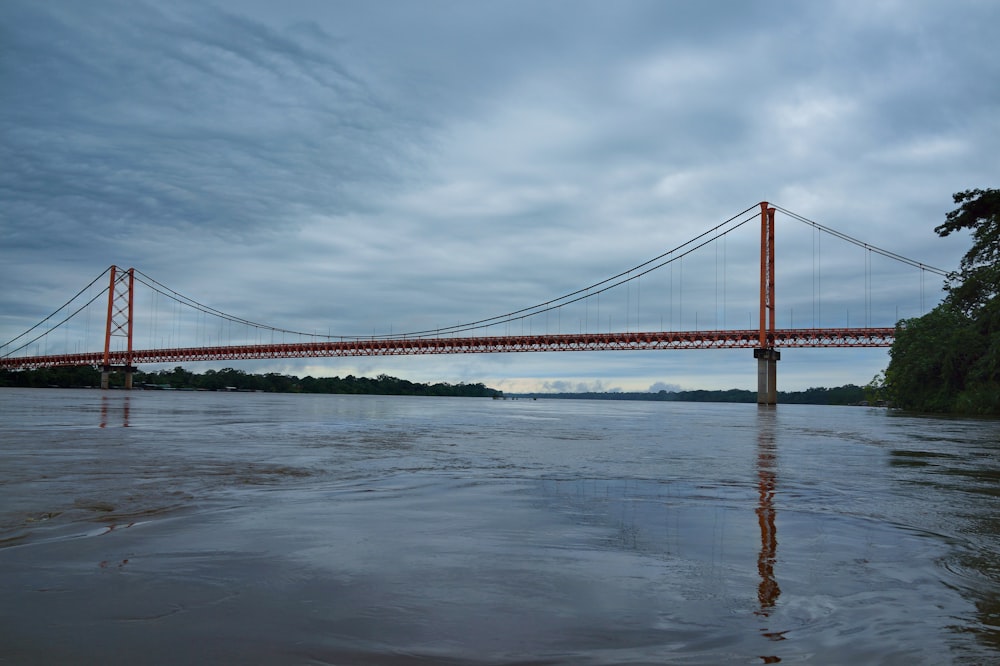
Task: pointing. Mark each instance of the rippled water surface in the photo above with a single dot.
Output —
(171, 527)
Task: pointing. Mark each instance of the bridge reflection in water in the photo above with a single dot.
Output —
(768, 589)
(108, 409)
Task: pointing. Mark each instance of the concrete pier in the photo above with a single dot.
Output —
(108, 369)
(767, 375)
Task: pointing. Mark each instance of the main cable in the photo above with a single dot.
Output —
(515, 315)
(535, 309)
(92, 282)
(885, 253)
(76, 312)
(164, 290)
(558, 305)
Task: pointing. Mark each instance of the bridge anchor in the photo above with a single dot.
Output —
(767, 375)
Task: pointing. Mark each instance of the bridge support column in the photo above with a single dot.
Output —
(767, 375)
(106, 371)
(767, 356)
(120, 311)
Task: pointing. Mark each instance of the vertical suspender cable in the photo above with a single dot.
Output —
(814, 232)
(922, 274)
(715, 317)
(628, 304)
(868, 287)
(680, 293)
(725, 262)
(819, 279)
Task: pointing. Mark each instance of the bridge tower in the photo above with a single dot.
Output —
(120, 308)
(765, 353)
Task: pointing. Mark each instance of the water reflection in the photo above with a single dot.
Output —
(624, 533)
(105, 409)
(768, 589)
(967, 472)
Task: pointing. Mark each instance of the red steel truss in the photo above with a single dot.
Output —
(740, 339)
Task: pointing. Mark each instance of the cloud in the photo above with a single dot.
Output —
(362, 169)
(595, 386)
(139, 121)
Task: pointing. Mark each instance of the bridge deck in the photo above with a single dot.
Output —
(735, 339)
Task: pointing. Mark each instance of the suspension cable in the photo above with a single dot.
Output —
(201, 307)
(42, 335)
(556, 305)
(523, 313)
(624, 277)
(633, 273)
(587, 292)
(885, 253)
(60, 308)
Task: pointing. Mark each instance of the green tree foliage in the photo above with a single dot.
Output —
(841, 395)
(70, 377)
(876, 391)
(977, 284)
(949, 359)
(229, 379)
(930, 360)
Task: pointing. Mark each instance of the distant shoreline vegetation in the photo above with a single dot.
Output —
(842, 395)
(237, 380)
(229, 379)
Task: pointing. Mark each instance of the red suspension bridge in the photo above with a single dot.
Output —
(119, 354)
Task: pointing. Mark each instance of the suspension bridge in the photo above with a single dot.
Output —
(119, 317)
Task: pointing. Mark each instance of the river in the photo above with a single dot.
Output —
(181, 527)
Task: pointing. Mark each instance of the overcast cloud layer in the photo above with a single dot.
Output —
(367, 168)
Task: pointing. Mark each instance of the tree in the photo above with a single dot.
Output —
(930, 360)
(876, 391)
(978, 283)
(949, 359)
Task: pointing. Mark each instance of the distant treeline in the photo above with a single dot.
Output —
(842, 395)
(230, 379)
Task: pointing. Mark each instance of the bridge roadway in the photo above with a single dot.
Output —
(735, 339)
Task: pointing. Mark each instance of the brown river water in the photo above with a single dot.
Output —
(175, 527)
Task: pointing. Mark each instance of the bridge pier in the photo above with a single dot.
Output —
(108, 369)
(767, 375)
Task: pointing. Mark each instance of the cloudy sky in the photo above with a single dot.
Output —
(367, 168)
